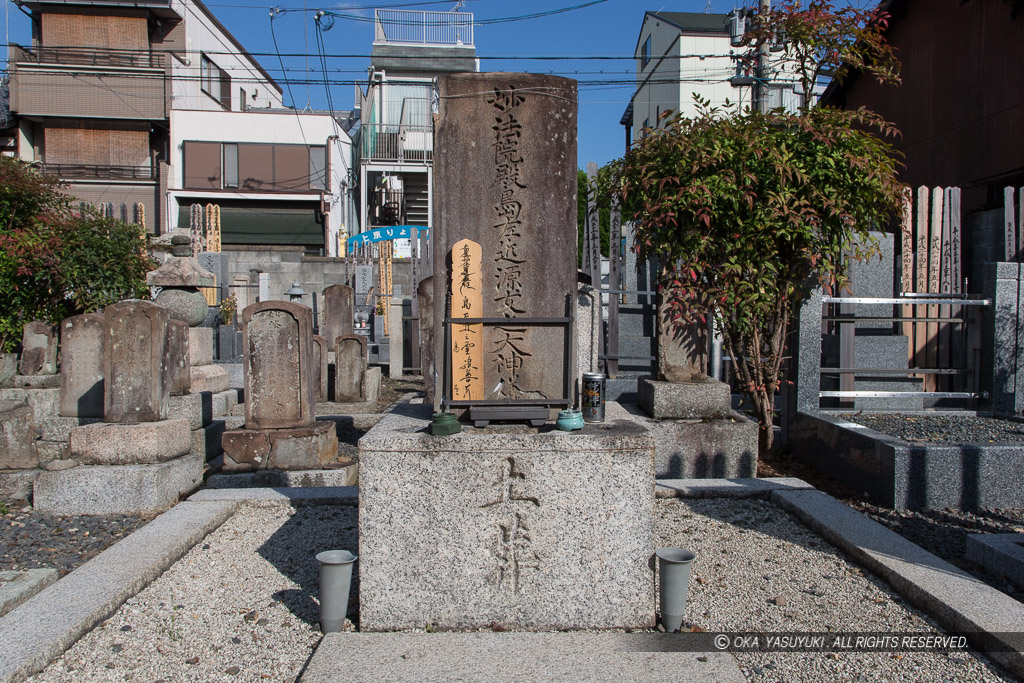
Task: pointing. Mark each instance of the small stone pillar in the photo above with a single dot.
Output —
(38, 368)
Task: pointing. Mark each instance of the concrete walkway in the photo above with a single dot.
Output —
(495, 657)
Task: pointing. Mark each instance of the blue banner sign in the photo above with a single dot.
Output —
(392, 232)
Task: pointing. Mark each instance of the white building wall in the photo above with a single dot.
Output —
(203, 36)
(282, 127)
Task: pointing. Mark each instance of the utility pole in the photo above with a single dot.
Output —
(761, 71)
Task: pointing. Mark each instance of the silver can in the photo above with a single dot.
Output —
(592, 396)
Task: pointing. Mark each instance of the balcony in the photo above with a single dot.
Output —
(86, 83)
(99, 172)
(411, 27)
(88, 56)
(396, 144)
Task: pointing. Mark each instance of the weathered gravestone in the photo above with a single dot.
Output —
(319, 368)
(339, 309)
(38, 349)
(278, 341)
(177, 361)
(81, 369)
(505, 173)
(350, 368)
(134, 362)
(425, 296)
(280, 431)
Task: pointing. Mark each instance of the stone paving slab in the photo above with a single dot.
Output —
(725, 488)
(326, 495)
(957, 600)
(494, 657)
(18, 586)
(43, 627)
(343, 476)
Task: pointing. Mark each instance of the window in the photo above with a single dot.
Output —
(318, 168)
(215, 82)
(230, 165)
(645, 53)
(242, 104)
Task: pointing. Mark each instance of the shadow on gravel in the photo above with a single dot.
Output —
(292, 550)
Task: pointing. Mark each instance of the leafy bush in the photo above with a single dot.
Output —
(56, 261)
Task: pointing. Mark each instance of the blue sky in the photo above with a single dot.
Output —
(608, 29)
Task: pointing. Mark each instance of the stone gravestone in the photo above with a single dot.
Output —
(682, 352)
(425, 295)
(319, 367)
(81, 369)
(339, 309)
(177, 361)
(350, 368)
(278, 341)
(134, 362)
(39, 349)
(364, 279)
(517, 201)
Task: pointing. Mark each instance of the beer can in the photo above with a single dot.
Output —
(592, 400)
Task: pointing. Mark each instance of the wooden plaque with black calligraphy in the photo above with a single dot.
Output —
(467, 340)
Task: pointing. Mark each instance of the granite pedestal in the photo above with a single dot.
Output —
(506, 526)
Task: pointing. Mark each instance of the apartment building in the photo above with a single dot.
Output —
(154, 102)
(395, 144)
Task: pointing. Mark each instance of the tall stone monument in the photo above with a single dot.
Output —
(505, 173)
(490, 527)
(339, 309)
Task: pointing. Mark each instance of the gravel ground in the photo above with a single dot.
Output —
(31, 539)
(940, 428)
(759, 569)
(240, 606)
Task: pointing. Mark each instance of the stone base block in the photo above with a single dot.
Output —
(51, 450)
(334, 408)
(59, 428)
(37, 381)
(200, 345)
(224, 402)
(45, 402)
(235, 375)
(141, 443)
(17, 484)
(299, 448)
(212, 378)
(118, 489)
(17, 436)
(207, 441)
(343, 476)
(685, 400)
(543, 530)
(18, 586)
(196, 408)
(724, 448)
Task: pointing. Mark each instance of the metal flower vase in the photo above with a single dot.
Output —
(335, 585)
(674, 573)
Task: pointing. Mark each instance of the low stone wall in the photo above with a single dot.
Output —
(907, 475)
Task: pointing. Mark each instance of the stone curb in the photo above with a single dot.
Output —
(41, 629)
(726, 488)
(957, 600)
(18, 586)
(324, 495)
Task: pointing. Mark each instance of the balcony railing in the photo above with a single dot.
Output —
(423, 28)
(396, 143)
(99, 172)
(85, 56)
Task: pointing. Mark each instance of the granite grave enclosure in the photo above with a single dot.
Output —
(507, 524)
(505, 170)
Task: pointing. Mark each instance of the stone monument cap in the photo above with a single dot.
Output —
(180, 272)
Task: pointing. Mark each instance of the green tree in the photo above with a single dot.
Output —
(748, 212)
(57, 261)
